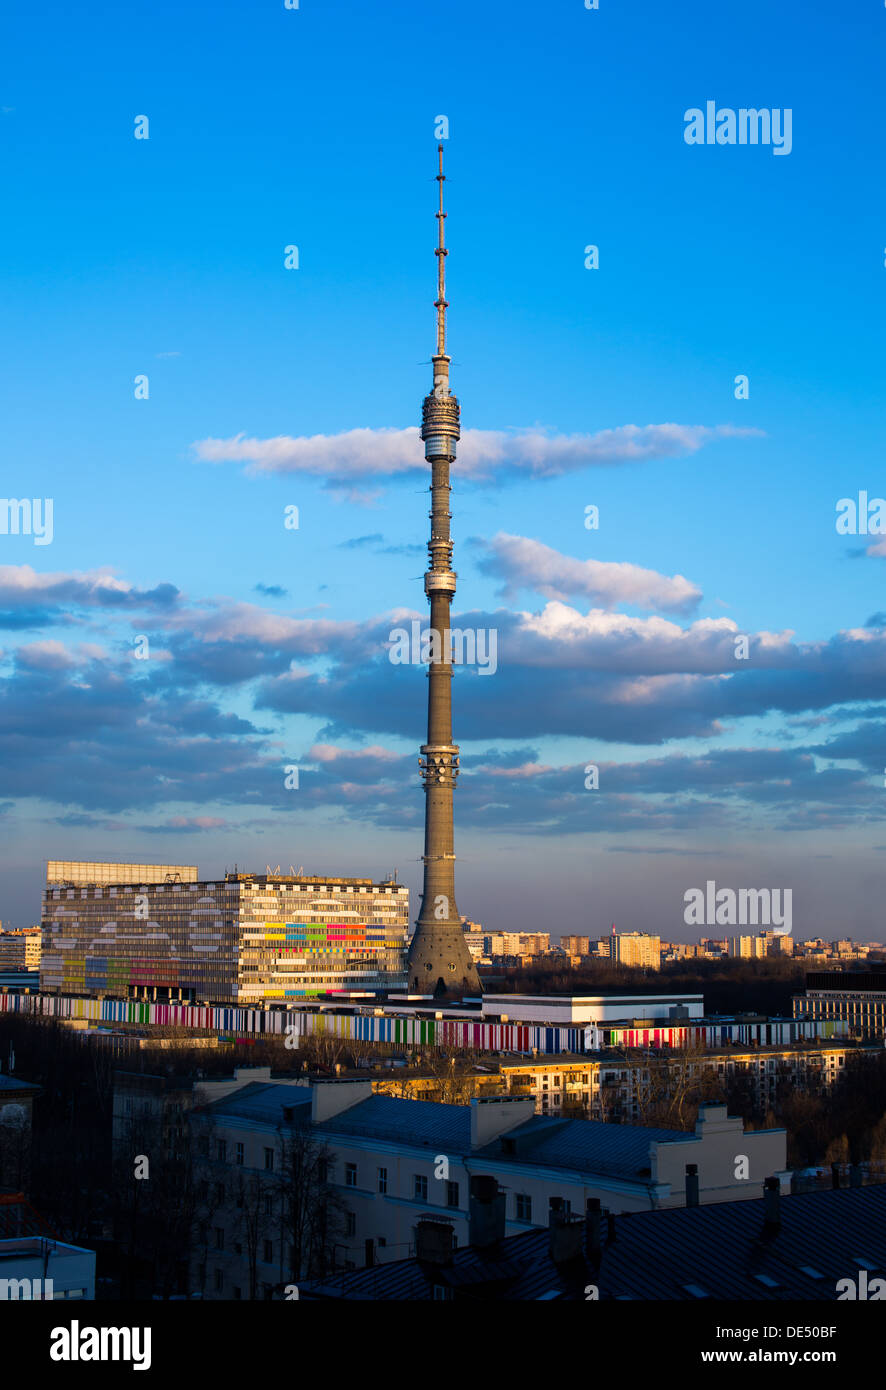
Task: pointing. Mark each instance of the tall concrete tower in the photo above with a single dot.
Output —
(439, 961)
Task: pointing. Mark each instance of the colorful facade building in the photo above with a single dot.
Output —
(246, 939)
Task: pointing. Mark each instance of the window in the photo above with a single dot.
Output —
(452, 1194)
(420, 1187)
(382, 1180)
(240, 1155)
(350, 1175)
(350, 1224)
(268, 1252)
(442, 1293)
(219, 1281)
(219, 1238)
(269, 1204)
(222, 1150)
(269, 1160)
(323, 1170)
(524, 1206)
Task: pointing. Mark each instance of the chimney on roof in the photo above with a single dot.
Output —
(610, 1228)
(692, 1184)
(486, 1212)
(855, 1175)
(835, 1176)
(329, 1098)
(434, 1241)
(593, 1243)
(771, 1206)
(492, 1116)
(565, 1236)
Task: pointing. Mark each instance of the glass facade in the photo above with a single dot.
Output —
(247, 940)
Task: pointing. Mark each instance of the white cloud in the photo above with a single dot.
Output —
(525, 563)
(342, 459)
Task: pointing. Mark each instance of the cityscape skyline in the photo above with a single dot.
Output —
(610, 388)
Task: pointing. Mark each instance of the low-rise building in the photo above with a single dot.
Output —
(569, 1010)
(854, 997)
(38, 1267)
(626, 1086)
(387, 1162)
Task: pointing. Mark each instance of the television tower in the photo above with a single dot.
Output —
(439, 961)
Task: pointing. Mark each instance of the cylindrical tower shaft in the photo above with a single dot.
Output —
(439, 960)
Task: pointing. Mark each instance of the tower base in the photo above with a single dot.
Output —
(440, 963)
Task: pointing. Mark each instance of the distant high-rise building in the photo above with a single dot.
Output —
(576, 945)
(439, 960)
(636, 949)
(246, 939)
(748, 947)
(20, 949)
(517, 943)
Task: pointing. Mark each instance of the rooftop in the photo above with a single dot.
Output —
(8, 1084)
(723, 1251)
(545, 1140)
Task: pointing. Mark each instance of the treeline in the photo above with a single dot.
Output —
(729, 986)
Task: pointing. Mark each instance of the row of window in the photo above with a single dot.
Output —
(419, 1184)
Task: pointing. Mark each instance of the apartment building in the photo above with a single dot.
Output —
(576, 945)
(637, 949)
(381, 1164)
(613, 1087)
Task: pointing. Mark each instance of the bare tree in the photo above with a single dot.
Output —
(312, 1211)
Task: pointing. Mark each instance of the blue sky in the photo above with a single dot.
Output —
(612, 387)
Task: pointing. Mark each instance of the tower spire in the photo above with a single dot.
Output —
(439, 961)
(441, 254)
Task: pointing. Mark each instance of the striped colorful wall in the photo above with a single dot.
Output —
(408, 1031)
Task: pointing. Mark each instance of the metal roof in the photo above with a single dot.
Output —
(545, 1140)
(588, 1145)
(721, 1251)
(261, 1101)
(419, 1122)
(9, 1083)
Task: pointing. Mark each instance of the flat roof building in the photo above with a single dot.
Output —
(854, 997)
(248, 939)
(566, 1009)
